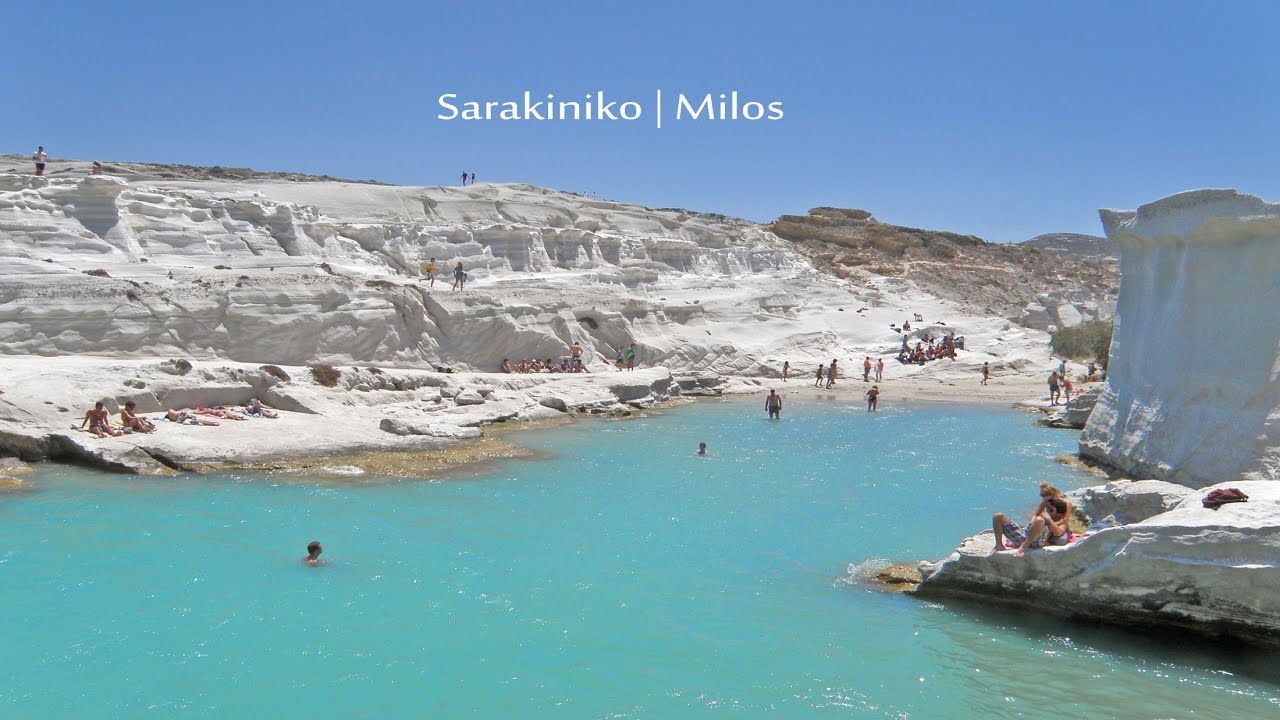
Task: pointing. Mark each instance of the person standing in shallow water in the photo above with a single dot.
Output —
(773, 404)
(873, 399)
(313, 553)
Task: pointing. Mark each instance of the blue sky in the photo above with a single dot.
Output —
(1001, 119)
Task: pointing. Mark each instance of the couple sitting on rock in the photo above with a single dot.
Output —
(1048, 525)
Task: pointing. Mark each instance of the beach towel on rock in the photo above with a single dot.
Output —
(1217, 498)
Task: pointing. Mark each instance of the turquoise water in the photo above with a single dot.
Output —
(618, 576)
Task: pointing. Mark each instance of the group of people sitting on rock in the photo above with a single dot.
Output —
(98, 420)
(935, 350)
(566, 365)
(1047, 526)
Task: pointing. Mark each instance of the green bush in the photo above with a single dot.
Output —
(1087, 341)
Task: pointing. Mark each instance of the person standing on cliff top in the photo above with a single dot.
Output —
(40, 157)
(429, 270)
(464, 178)
(473, 178)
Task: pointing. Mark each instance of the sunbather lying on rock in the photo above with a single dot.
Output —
(257, 409)
(186, 417)
(99, 422)
(1047, 526)
(220, 411)
(132, 421)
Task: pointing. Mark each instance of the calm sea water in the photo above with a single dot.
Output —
(618, 576)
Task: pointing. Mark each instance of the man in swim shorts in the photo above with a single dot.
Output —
(40, 157)
(773, 404)
(873, 398)
(99, 421)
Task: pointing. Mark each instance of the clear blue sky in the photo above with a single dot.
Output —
(1001, 119)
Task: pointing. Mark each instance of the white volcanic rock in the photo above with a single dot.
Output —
(271, 270)
(1192, 394)
(1064, 308)
(363, 411)
(1212, 572)
(1128, 501)
(1076, 411)
(468, 397)
(429, 429)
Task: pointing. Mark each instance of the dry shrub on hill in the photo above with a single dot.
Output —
(326, 375)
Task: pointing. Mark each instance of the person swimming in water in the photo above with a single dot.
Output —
(702, 449)
(313, 553)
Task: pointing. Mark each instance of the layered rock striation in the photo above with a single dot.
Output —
(1193, 395)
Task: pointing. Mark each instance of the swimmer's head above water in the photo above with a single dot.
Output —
(702, 448)
(313, 553)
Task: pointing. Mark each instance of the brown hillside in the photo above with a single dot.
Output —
(993, 278)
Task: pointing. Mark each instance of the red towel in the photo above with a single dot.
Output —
(1217, 498)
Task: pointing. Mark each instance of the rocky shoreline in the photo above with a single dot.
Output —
(365, 410)
(1154, 557)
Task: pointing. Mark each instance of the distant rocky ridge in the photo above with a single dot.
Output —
(1075, 245)
(1027, 283)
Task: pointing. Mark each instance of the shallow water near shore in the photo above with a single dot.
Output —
(614, 575)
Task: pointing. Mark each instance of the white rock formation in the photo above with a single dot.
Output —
(1075, 412)
(1064, 308)
(363, 411)
(1212, 572)
(264, 270)
(1192, 395)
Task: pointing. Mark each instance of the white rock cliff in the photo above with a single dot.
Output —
(1192, 394)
